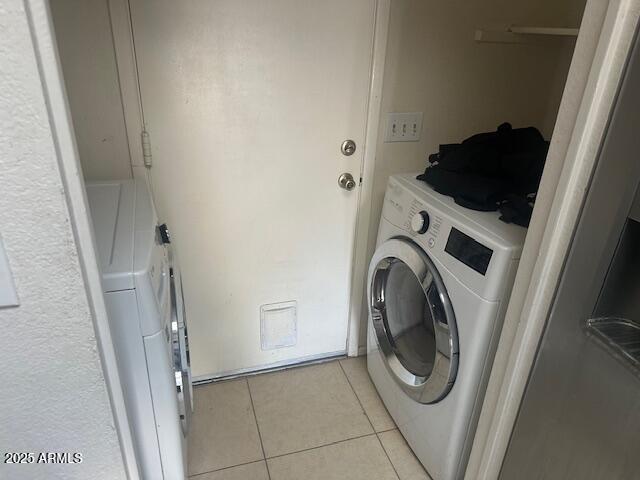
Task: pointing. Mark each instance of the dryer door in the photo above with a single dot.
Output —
(413, 319)
(181, 363)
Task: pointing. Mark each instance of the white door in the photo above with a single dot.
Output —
(247, 103)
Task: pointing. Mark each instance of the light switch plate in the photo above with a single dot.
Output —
(403, 127)
(8, 294)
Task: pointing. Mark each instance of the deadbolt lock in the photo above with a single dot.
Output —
(348, 147)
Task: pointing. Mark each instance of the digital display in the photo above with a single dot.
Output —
(468, 251)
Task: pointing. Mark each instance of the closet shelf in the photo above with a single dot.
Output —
(518, 34)
(556, 31)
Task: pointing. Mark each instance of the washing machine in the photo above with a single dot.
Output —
(144, 300)
(438, 286)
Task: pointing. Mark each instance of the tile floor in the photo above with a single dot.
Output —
(323, 421)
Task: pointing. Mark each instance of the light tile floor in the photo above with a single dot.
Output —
(323, 421)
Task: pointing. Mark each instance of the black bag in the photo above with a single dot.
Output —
(498, 170)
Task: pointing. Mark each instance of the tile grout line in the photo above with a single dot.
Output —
(388, 430)
(225, 468)
(395, 427)
(255, 417)
(387, 455)
(410, 450)
(370, 422)
(322, 446)
(357, 397)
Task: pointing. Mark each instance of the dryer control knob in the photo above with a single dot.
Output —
(420, 222)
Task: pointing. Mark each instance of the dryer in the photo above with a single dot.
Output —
(143, 296)
(438, 286)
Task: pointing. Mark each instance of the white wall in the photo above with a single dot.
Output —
(85, 44)
(434, 65)
(53, 396)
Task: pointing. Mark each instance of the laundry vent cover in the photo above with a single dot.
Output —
(278, 325)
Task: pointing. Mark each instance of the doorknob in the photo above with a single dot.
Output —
(346, 181)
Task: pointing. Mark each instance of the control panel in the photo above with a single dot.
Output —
(420, 221)
(460, 242)
(468, 250)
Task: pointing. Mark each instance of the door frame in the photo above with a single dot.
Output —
(360, 257)
(124, 46)
(600, 56)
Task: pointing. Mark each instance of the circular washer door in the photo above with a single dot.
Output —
(413, 319)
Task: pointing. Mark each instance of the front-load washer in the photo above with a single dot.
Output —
(438, 286)
(144, 300)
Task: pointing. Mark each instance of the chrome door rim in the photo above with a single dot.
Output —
(436, 386)
(181, 371)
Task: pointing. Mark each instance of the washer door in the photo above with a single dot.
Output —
(413, 319)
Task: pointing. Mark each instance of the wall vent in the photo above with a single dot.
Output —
(278, 325)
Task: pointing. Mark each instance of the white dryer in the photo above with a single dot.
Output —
(143, 295)
(438, 287)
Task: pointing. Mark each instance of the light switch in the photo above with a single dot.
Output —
(403, 127)
(8, 294)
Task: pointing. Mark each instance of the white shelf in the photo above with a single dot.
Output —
(555, 31)
(515, 34)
